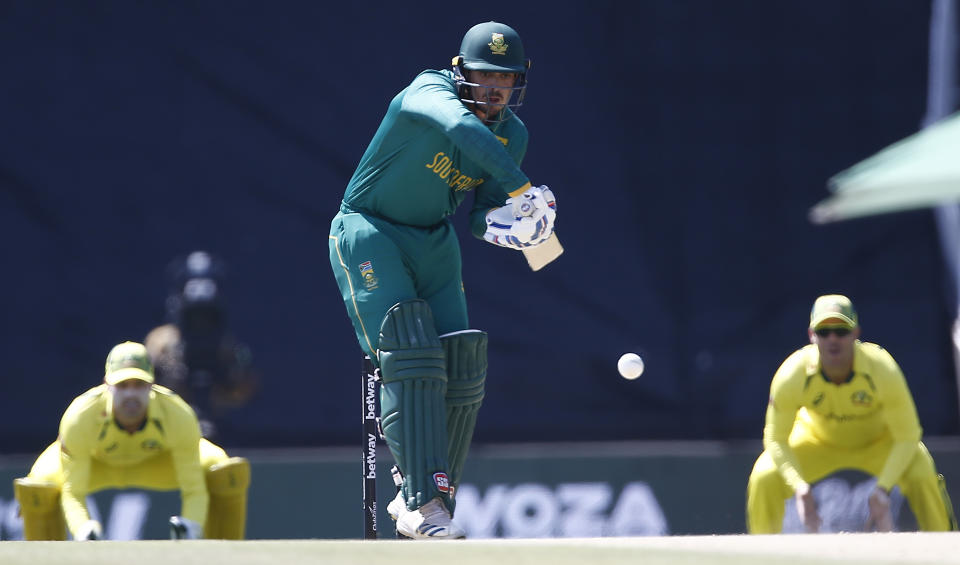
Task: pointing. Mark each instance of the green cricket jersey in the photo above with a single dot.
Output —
(429, 152)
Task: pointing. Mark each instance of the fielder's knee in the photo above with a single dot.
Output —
(211, 453)
(40, 509)
(227, 484)
(766, 493)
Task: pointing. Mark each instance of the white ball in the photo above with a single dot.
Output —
(630, 366)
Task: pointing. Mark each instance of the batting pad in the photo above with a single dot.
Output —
(227, 483)
(40, 509)
(412, 407)
(466, 356)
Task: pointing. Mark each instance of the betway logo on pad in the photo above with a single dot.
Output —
(532, 510)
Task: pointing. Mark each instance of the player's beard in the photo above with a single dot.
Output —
(488, 113)
(489, 104)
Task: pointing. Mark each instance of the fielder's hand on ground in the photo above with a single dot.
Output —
(184, 528)
(880, 518)
(807, 509)
(89, 531)
(523, 221)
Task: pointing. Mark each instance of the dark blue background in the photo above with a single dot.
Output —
(685, 141)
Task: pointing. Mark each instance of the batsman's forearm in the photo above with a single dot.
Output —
(433, 99)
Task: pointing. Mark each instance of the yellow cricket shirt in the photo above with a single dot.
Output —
(874, 403)
(89, 433)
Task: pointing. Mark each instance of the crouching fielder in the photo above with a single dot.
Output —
(838, 404)
(397, 260)
(132, 433)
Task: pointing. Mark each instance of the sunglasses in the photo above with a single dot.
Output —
(839, 332)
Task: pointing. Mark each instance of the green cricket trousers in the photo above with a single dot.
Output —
(378, 264)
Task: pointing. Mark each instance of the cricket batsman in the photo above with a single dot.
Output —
(397, 260)
(839, 403)
(131, 433)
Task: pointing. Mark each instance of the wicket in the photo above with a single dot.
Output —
(371, 432)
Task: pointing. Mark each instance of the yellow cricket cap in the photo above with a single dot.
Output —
(833, 310)
(128, 360)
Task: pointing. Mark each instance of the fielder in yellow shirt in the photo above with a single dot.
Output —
(132, 433)
(839, 403)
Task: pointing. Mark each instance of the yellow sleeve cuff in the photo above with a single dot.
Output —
(520, 190)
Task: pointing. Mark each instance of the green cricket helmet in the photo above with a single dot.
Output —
(493, 47)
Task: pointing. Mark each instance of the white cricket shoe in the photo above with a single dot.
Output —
(397, 506)
(430, 521)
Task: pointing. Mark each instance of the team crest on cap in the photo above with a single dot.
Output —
(498, 46)
(833, 306)
(128, 362)
(366, 273)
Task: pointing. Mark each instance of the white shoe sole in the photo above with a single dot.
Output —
(431, 521)
(424, 532)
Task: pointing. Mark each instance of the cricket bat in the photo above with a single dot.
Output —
(542, 255)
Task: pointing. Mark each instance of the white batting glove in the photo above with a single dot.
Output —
(506, 229)
(535, 197)
(184, 528)
(548, 202)
(524, 220)
(91, 530)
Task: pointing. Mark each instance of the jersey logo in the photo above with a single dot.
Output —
(861, 398)
(442, 166)
(497, 45)
(503, 140)
(366, 273)
(150, 445)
